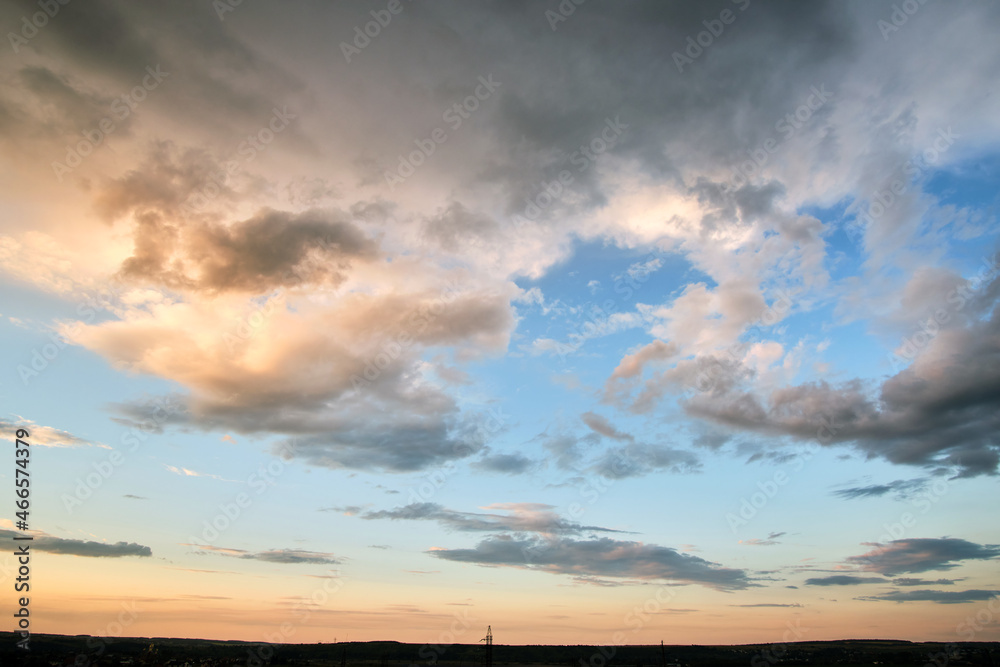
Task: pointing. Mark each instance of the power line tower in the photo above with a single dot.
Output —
(488, 655)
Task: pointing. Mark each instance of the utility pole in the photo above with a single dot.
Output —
(663, 655)
(488, 656)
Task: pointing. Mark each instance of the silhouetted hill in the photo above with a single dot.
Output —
(86, 651)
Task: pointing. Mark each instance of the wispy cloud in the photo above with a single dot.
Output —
(514, 517)
(185, 472)
(940, 597)
(771, 540)
(900, 488)
(44, 436)
(284, 556)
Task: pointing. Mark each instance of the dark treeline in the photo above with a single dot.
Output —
(84, 651)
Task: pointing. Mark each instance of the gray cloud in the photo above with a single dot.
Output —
(922, 555)
(71, 547)
(601, 425)
(636, 459)
(519, 517)
(508, 464)
(940, 597)
(456, 227)
(327, 387)
(402, 447)
(602, 557)
(912, 581)
(843, 580)
(292, 556)
(283, 556)
(940, 412)
(900, 488)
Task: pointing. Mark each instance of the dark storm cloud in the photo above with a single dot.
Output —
(940, 597)
(922, 555)
(900, 488)
(941, 411)
(844, 580)
(271, 249)
(70, 547)
(61, 106)
(562, 105)
(603, 557)
(520, 517)
(214, 73)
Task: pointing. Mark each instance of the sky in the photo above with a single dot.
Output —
(591, 322)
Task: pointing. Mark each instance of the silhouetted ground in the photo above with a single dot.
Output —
(85, 651)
